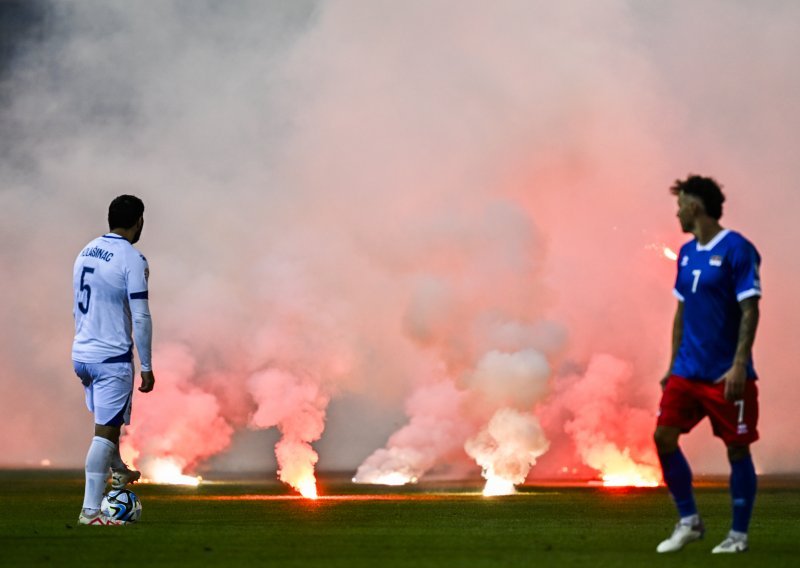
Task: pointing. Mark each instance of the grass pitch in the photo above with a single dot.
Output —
(251, 523)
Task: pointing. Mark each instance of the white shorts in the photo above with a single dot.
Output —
(109, 391)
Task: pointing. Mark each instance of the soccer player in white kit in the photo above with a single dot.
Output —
(111, 314)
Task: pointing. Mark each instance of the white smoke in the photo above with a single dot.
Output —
(433, 435)
(193, 429)
(297, 408)
(502, 390)
(508, 446)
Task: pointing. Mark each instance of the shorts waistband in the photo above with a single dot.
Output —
(126, 357)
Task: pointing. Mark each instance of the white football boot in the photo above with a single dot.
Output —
(99, 520)
(733, 543)
(681, 536)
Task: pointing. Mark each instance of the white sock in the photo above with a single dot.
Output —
(691, 520)
(98, 460)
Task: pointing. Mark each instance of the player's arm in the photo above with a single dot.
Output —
(143, 337)
(677, 334)
(138, 300)
(736, 377)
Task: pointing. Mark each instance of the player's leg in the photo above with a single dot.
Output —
(110, 395)
(736, 423)
(117, 463)
(121, 474)
(99, 449)
(678, 412)
(116, 460)
(678, 478)
(676, 471)
(743, 484)
(98, 460)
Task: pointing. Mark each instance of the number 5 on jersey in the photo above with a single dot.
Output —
(84, 308)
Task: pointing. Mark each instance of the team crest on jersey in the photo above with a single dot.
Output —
(684, 261)
(715, 260)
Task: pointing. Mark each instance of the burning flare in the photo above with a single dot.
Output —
(395, 478)
(297, 460)
(307, 487)
(506, 449)
(168, 472)
(297, 407)
(496, 485)
(618, 469)
(631, 475)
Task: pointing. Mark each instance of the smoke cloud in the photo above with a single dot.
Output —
(610, 435)
(508, 446)
(418, 238)
(192, 430)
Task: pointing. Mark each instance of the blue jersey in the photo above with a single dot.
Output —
(712, 280)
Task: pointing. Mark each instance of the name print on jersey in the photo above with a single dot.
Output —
(97, 252)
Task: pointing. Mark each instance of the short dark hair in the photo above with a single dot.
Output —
(706, 189)
(124, 212)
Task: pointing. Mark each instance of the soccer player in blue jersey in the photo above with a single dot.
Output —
(111, 314)
(711, 372)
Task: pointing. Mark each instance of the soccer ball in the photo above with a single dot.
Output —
(122, 504)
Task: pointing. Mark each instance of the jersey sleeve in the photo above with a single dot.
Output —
(138, 299)
(745, 269)
(676, 288)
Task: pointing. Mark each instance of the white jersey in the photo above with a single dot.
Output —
(111, 308)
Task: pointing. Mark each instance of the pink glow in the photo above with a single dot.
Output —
(431, 209)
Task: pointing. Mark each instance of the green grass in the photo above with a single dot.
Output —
(250, 523)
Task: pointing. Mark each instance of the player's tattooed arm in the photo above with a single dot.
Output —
(677, 334)
(747, 330)
(736, 376)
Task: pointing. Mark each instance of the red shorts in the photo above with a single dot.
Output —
(684, 403)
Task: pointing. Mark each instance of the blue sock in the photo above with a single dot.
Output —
(678, 478)
(743, 492)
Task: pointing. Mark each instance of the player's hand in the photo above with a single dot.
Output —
(735, 380)
(148, 381)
